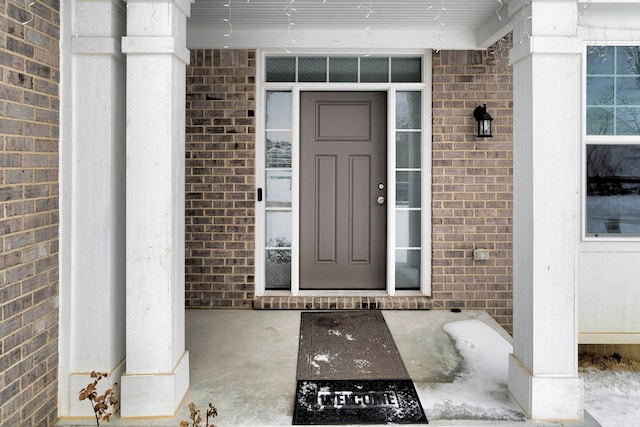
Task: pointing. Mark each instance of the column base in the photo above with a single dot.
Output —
(548, 398)
(154, 395)
(79, 381)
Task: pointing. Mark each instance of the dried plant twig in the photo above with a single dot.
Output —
(196, 418)
(105, 404)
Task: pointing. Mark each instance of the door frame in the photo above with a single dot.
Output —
(390, 88)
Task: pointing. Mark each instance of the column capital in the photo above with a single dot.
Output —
(96, 46)
(545, 44)
(155, 45)
(516, 6)
(544, 26)
(183, 5)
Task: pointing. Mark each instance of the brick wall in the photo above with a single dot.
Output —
(220, 178)
(29, 77)
(472, 182)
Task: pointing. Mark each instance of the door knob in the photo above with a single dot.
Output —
(380, 200)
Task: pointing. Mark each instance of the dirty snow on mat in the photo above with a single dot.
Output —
(480, 389)
(612, 397)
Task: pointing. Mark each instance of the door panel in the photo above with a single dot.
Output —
(343, 160)
(327, 218)
(360, 212)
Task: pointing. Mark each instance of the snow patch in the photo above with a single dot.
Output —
(480, 390)
(362, 364)
(612, 397)
(321, 358)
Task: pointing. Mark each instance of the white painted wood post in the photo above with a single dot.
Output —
(92, 201)
(543, 372)
(157, 372)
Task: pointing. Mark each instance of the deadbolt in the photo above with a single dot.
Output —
(381, 186)
(380, 200)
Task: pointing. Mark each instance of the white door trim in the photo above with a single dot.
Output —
(391, 89)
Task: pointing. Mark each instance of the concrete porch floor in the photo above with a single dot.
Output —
(244, 362)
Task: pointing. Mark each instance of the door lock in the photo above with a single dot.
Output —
(381, 186)
(380, 200)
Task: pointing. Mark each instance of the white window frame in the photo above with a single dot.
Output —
(608, 241)
(391, 88)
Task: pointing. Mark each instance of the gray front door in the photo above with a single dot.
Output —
(343, 170)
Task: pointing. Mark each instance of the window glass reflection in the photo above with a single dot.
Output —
(408, 189)
(600, 60)
(408, 110)
(408, 228)
(281, 69)
(278, 152)
(278, 232)
(278, 268)
(278, 110)
(408, 149)
(628, 60)
(408, 268)
(343, 69)
(312, 69)
(374, 70)
(613, 189)
(613, 79)
(407, 70)
(278, 186)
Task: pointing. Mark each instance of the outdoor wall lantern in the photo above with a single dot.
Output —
(484, 121)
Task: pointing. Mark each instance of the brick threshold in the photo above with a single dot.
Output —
(343, 303)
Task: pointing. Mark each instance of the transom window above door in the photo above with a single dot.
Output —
(343, 69)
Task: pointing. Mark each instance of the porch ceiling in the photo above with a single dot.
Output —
(464, 24)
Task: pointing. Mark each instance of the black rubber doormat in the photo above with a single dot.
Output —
(350, 372)
(357, 402)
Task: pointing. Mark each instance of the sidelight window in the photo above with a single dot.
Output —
(408, 189)
(278, 190)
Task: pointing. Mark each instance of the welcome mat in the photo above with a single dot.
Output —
(350, 372)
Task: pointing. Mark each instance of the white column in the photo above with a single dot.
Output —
(92, 158)
(157, 372)
(543, 372)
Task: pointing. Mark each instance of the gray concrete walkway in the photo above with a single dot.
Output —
(244, 362)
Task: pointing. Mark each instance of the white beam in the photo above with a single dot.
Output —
(208, 37)
(494, 28)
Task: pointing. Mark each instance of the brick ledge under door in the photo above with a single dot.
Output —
(342, 303)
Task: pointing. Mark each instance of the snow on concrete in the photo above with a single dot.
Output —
(612, 397)
(480, 390)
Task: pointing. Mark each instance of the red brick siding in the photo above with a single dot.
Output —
(220, 178)
(472, 182)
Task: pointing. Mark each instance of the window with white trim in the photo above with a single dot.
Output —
(612, 141)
